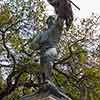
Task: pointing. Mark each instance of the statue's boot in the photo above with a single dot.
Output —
(52, 89)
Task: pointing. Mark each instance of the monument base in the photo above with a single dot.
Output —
(47, 91)
(42, 96)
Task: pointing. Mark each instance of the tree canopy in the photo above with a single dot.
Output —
(77, 69)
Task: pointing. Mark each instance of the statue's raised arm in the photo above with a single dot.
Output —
(63, 9)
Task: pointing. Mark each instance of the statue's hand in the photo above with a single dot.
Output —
(34, 45)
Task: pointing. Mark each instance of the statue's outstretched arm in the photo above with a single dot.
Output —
(35, 42)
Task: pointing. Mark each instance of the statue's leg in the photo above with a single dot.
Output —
(47, 60)
(46, 71)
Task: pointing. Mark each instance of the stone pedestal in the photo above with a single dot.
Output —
(42, 96)
(47, 91)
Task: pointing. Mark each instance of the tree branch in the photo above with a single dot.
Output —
(10, 87)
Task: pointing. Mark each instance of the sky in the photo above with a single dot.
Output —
(86, 7)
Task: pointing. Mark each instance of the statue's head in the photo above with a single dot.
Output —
(50, 21)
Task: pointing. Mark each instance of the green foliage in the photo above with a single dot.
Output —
(93, 75)
(67, 84)
(24, 77)
(4, 15)
(2, 85)
(16, 41)
(81, 53)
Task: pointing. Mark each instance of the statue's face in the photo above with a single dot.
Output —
(50, 21)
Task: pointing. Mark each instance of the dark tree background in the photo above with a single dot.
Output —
(77, 69)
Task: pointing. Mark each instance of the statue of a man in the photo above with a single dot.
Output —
(47, 43)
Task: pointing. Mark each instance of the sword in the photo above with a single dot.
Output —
(74, 4)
